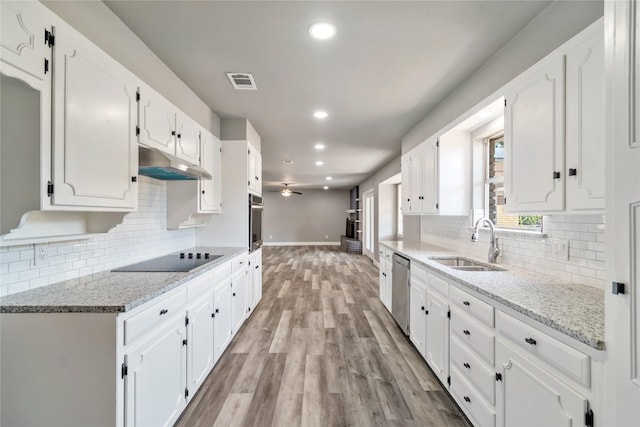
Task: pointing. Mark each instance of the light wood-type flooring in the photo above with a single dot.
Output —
(320, 350)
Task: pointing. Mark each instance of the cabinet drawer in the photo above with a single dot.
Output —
(469, 400)
(558, 355)
(474, 369)
(438, 284)
(154, 316)
(472, 306)
(239, 262)
(200, 285)
(476, 336)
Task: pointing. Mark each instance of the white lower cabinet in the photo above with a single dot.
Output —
(222, 317)
(418, 313)
(437, 331)
(239, 305)
(155, 382)
(255, 279)
(200, 339)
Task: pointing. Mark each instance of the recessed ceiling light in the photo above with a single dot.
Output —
(319, 146)
(287, 162)
(320, 115)
(319, 163)
(325, 187)
(329, 178)
(322, 30)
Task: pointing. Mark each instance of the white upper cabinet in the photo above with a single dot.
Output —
(156, 122)
(405, 169)
(254, 168)
(187, 139)
(95, 155)
(585, 125)
(210, 199)
(22, 39)
(534, 141)
(430, 179)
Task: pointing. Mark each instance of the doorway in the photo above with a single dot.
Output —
(368, 231)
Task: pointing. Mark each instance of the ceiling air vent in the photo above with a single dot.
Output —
(242, 81)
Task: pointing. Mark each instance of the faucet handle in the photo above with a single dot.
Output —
(474, 237)
(497, 246)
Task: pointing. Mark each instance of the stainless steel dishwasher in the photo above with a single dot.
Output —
(400, 292)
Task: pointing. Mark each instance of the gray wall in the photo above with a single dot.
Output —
(554, 26)
(97, 23)
(306, 218)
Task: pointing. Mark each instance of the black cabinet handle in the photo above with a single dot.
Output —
(467, 303)
(467, 399)
(234, 294)
(556, 175)
(163, 311)
(202, 191)
(573, 172)
(408, 200)
(257, 266)
(530, 341)
(466, 332)
(422, 308)
(466, 365)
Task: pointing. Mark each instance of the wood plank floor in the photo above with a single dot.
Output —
(320, 350)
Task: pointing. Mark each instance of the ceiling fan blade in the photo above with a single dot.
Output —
(296, 192)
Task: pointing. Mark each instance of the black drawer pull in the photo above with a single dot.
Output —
(163, 311)
(234, 294)
(466, 365)
(466, 332)
(257, 266)
(422, 308)
(530, 341)
(467, 399)
(466, 303)
(573, 172)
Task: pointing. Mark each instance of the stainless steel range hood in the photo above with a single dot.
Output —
(156, 164)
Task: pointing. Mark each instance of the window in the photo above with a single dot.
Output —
(494, 190)
(399, 209)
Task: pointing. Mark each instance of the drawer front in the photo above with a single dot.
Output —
(223, 272)
(558, 355)
(476, 336)
(483, 414)
(154, 316)
(438, 284)
(200, 285)
(472, 306)
(239, 262)
(474, 370)
(418, 273)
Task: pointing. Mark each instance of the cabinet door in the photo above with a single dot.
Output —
(238, 300)
(430, 177)
(418, 315)
(200, 341)
(382, 278)
(210, 190)
(222, 317)
(22, 38)
(585, 125)
(405, 169)
(415, 168)
(389, 280)
(156, 380)
(534, 142)
(188, 139)
(437, 341)
(258, 173)
(530, 396)
(256, 278)
(95, 152)
(251, 168)
(156, 122)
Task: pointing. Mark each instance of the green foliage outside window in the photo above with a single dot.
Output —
(533, 220)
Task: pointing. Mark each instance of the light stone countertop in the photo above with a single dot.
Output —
(573, 309)
(108, 292)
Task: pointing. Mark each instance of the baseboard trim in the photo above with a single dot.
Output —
(301, 244)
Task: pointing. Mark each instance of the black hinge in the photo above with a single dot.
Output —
(505, 200)
(134, 179)
(46, 65)
(186, 321)
(137, 96)
(186, 393)
(184, 342)
(437, 143)
(123, 370)
(49, 189)
(137, 130)
(498, 376)
(449, 380)
(449, 314)
(505, 102)
(49, 38)
(437, 205)
(588, 418)
(617, 288)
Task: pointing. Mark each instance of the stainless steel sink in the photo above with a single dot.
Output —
(464, 264)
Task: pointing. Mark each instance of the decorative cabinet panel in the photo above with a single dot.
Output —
(156, 122)
(429, 194)
(210, 199)
(534, 142)
(585, 115)
(200, 340)
(95, 155)
(156, 382)
(222, 317)
(418, 314)
(437, 334)
(187, 139)
(239, 283)
(255, 279)
(23, 40)
(254, 168)
(405, 170)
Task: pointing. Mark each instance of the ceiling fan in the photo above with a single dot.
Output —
(285, 191)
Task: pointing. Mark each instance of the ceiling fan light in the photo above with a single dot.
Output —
(286, 192)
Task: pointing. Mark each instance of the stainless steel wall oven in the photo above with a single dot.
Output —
(255, 222)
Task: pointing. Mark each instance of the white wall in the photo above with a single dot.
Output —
(554, 26)
(142, 235)
(306, 218)
(96, 22)
(584, 232)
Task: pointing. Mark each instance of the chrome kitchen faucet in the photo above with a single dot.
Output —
(494, 250)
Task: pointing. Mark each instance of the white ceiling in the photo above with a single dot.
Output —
(390, 63)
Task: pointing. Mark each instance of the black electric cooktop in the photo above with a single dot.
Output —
(179, 262)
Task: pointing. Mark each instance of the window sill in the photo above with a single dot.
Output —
(530, 234)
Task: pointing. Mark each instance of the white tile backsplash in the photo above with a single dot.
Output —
(142, 235)
(584, 232)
